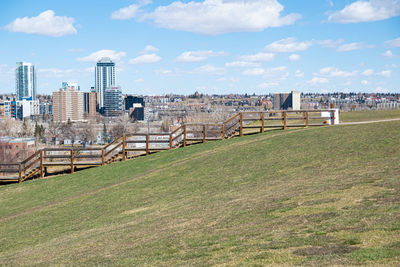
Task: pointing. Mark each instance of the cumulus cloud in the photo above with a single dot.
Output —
(353, 46)
(129, 11)
(242, 64)
(198, 56)
(146, 58)
(46, 23)
(388, 54)
(260, 57)
(273, 74)
(149, 49)
(253, 72)
(367, 72)
(299, 74)
(363, 11)
(381, 90)
(294, 57)
(213, 17)
(385, 73)
(394, 42)
(318, 80)
(209, 69)
(288, 45)
(335, 72)
(54, 72)
(96, 56)
(267, 85)
(364, 82)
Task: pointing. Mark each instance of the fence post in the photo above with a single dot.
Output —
(241, 124)
(306, 118)
(41, 164)
(147, 144)
(284, 119)
(123, 147)
(170, 141)
(102, 157)
(19, 173)
(332, 117)
(204, 133)
(184, 135)
(262, 122)
(223, 131)
(72, 161)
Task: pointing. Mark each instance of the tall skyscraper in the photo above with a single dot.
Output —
(105, 77)
(113, 101)
(25, 80)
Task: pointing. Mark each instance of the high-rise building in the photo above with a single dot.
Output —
(113, 101)
(68, 105)
(25, 80)
(90, 103)
(283, 101)
(74, 85)
(105, 77)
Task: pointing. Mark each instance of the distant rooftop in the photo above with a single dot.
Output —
(105, 60)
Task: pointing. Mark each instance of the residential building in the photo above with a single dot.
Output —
(113, 101)
(90, 103)
(68, 105)
(21, 109)
(16, 149)
(283, 101)
(135, 105)
(105, 77)
(25, 80)
(73, 85)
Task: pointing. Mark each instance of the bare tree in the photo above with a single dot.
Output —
(165, 125)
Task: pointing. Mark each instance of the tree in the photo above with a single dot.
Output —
(105, 134)
(165, 125)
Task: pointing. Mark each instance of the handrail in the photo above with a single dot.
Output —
(232, 118)
(177, 129)
(116, 146)
(31, 157)
(112, 143)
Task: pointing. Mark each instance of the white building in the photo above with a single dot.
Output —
(25, 80)
(105, 77)
(73, 85)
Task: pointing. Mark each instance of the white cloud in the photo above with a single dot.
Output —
(353, 46)
(335, 72)
(364, 82)
(363, 11)
(149, 49)
(288, 45)
(129, 11)
(198, 56)
(394, 42)
(209, 69)
(260, 57)
(267, 85)
(46, 23)
(367, 72)
(388, 54)
(294, 57)
(139, 80)
(147, 58)
(242, 64)
(299, 74)
(381, 90)
(254, 72)
(385, 73)
(329, 43)
(54, 72)
(213, 17)
(96, 56)
(318, 80)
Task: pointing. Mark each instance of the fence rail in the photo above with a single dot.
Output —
(139, 144)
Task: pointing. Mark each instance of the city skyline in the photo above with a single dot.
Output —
(211, 46)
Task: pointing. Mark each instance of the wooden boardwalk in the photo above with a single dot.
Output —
(133, 145)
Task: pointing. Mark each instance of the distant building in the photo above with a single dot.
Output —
(16, 149)
(25, 80)
(73, 85)
(68, 105)
(135, 105)
(90, 103)
(113, 101)
(21, 109)
(283, 101)
(105, 77)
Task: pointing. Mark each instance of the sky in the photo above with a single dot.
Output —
(209, 46)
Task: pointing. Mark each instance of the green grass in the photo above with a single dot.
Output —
(369, 115)
(315, 196)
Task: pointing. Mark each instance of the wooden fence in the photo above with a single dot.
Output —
(139, 144)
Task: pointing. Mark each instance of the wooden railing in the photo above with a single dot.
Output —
(139, 144)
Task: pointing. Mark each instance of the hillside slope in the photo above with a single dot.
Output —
(310, 196)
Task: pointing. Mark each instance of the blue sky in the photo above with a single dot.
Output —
(212, 46)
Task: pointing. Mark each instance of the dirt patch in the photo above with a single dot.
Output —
(325, 250)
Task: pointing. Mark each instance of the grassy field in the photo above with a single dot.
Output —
(369, 115)
(312, 196)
